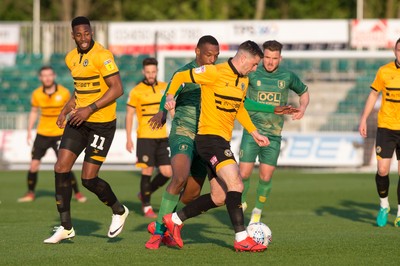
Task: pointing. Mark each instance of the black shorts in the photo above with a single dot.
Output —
(216, 151)
(387, 141)
(152, 152)
(96, 138)
(42, 144)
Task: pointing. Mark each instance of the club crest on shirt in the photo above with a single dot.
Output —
(162, 92)
(85, 62)
(109, 64)
(228, 153)
(242, 86)
(258, 83)
(145, 158)
(281, 84)
(199, 70)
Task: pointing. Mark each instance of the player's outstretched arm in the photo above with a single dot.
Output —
(251, 105)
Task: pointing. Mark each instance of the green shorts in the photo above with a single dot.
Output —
(249, 150)
(181, 142)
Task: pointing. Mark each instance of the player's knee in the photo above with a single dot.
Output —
(189, 197)
(90, 184)
(60, 167)
(218, 199)
(167, 172)
(178, 182)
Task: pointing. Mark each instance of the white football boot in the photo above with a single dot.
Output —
(60, 234)
(117, 223)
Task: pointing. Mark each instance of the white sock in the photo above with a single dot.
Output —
(398, 210)
(175, 218)
(146, 208)
(384, 202)
(256, 211)
(240, 236)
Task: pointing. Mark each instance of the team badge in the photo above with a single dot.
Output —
(85, 62)
(145, 158)
(240, 153)
(258, 83)
(378, 149)
(162, 92)
(242, 86)
(199, 70)
(109, 64)
(183, 147)
(95, 151)
(228, 153)
(281, 84)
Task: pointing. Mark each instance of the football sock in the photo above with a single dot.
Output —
(145, 189)
(175, 218)
(168, 204)
(197, 207)
(104, 192)
(32, 180)
(74, 183)
(256, 211)
(263, 191)
(398, 191)
(240, 236)
(158, 181)
(398, 210)
(160, 229)
(382, 185)
(384, 202)
(233, 204)
(63, 198)
(246, 184)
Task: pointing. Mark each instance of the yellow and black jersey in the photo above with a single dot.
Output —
(146, 100)
(50, 107)
(387, 81)
(89, 71)
(222, 93)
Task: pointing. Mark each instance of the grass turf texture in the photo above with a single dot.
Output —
(315, 218)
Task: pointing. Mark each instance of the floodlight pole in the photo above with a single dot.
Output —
(36, 27)
(360, 9)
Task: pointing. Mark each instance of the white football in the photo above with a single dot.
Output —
(260, 233)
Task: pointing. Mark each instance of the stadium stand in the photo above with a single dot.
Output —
(328, 78)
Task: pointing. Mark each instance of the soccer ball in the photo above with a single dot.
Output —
(260, 233)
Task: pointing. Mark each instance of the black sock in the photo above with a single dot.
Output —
(233, 204)
(158, 181)
(32, 180)
(74, 183)
(382, 185)
(145, 189)
(196, 207)
(104, 192)
(63, 198)
(398, 192)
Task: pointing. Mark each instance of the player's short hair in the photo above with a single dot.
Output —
(252, 48)
(207, 39)
(45, 68)
(273, 46)
(150, 61)
(80, 21)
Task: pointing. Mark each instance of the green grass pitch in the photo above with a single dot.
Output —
(316, 218)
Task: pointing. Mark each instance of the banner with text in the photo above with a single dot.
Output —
(148, 37)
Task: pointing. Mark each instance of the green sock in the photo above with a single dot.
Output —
(263, 190)
(246, 183)
(168, 203)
